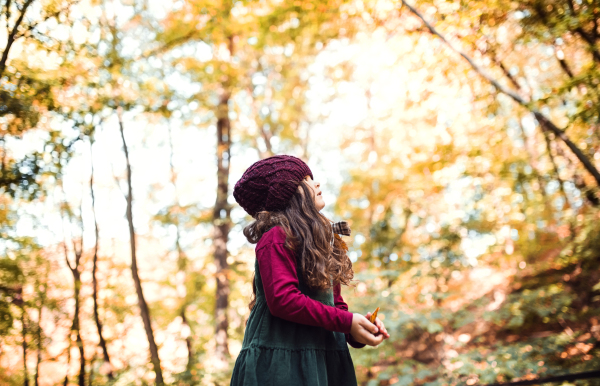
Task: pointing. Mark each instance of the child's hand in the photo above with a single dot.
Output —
(364, 331)
(379, 325)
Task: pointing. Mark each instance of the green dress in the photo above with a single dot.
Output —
(277, 352)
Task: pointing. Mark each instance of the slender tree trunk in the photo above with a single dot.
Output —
(74, 268)
(66, 381)
(24, 345)
(91, 374)
(222, 220)
(544, 122)
(561, 183)
(144, 310)
(70, 339)
(182, 261)
(39, 341)
(188, 342)
(76, 326)
(95, 268)
(13, 34)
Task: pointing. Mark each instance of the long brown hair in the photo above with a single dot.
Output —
(308, 234)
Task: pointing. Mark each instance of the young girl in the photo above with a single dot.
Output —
(299, 323)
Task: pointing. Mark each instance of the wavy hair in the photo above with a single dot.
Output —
(309, 235)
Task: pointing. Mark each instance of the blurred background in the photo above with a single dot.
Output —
(460, 139)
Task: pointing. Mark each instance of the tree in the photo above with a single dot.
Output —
(545, 123)
(468, 191)
(144, 310)
(75, 268)
(25, 93)
(245, 50)
(105, 355)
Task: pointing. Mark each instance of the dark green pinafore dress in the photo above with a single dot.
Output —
(277, 352)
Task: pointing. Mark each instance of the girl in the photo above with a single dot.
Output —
(299, 323)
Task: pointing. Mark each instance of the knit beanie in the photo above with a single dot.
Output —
(269, 184)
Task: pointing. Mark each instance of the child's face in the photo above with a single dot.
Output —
(316, 189)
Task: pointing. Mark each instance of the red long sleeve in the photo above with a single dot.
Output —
(341, 304)
(277, 266)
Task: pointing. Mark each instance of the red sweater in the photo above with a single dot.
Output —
(277, 266)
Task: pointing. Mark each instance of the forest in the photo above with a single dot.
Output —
(460, 139)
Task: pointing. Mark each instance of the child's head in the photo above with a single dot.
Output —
(269, 184)
(280, 191)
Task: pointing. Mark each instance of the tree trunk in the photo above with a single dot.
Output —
(39, 343)
(91, 374)
(222, 220)
(144, 310)
(182, 261)
(42, 288)
(24, 345)
(95, 268)
(66, 381)
(76, 324)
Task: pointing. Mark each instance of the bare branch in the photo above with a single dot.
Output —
(475, 66)
(558, 53)
(12, 35)
(544, 122)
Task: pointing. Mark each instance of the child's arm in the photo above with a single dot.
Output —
(277, 266)
(341, 304)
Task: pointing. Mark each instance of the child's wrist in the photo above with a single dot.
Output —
(346, 321)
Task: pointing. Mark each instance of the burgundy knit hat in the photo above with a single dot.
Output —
(269, 184)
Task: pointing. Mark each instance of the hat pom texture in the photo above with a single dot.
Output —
(269, 184)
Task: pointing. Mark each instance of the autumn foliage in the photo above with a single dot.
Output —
(459, 139)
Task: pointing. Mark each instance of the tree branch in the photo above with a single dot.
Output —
(561, 183)
(12, 35)
(547, 123)
(560, 56)
(516, 97)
